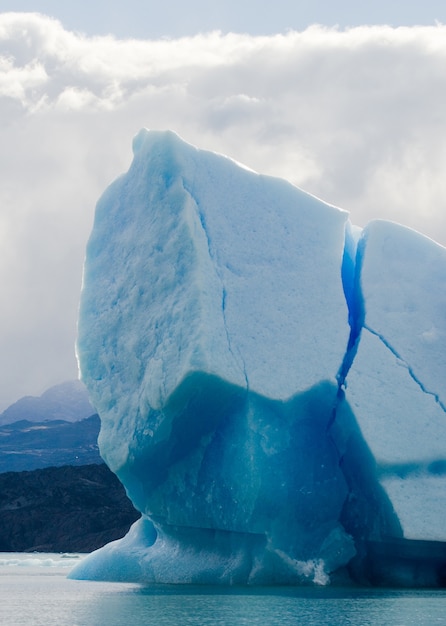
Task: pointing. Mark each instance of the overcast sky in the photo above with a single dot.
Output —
(145, 19)
(353, 115)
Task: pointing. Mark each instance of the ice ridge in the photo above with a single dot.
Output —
(213, 255)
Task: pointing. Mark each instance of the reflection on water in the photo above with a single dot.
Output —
(42, 596)
(274, 607)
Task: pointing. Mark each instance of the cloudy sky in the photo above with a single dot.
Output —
(352, 110)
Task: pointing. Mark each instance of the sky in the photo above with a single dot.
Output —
(351, 110)
(143, 19)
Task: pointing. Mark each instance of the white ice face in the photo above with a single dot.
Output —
(261, 369)
(397, 383)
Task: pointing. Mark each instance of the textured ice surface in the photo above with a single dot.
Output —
(258, 395)
(397, 384)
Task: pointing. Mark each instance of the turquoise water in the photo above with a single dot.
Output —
(34, 591)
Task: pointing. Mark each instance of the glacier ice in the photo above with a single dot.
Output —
(397, 384)
(270, 379)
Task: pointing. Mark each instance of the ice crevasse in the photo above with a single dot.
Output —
(271, 380)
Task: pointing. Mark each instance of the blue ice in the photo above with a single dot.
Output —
(263, 370)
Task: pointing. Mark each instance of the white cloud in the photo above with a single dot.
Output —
(355, 116)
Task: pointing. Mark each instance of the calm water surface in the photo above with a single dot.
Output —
(34, 591)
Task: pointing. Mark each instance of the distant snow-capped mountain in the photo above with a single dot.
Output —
(67, 401)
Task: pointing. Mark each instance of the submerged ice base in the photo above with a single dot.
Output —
(241, 348)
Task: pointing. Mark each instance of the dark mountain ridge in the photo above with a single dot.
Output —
(62, 509)
(26, 445)
(56, 494)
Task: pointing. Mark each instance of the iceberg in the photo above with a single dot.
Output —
(270, 379)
